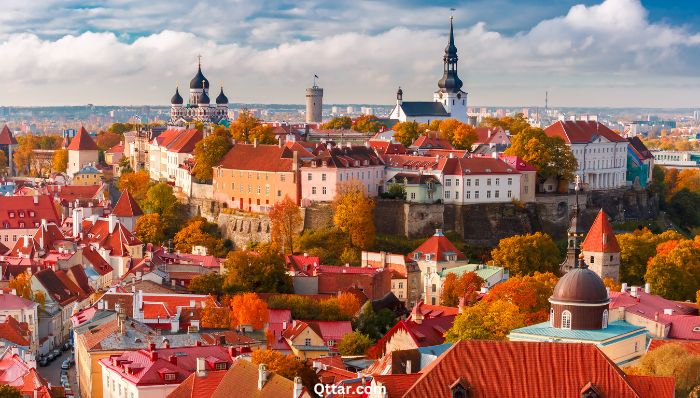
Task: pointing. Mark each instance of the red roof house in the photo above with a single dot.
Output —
(437, 248)
(82, 142)
(126, 206)
(601, 238)
(581, 131)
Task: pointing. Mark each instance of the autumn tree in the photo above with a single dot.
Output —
(22, 285)
(4, 164)
(353, 213)
(263, 272)
(248, 309)
(366, 124)
(286, 221)
(287, 366)
(211, 283)
(150, 229)
(216, 317)
(338, 123)
(207, 154)
(675, 275)
(121, 128)
(486, 320)
(305, 308)
(329, 244)
(465, 286)
(549, 155)
(136, 183)
(406, 132)
(636, 248)
(612, 284)
(160, 199)
(464, 137)
(513, 124)
(348, 304)
(354, 343)
(247, 128)
(60, 160)
(526, 254)
(671, 360)
(8, 391)
(530, 293)
(199, 232)
(107, 139)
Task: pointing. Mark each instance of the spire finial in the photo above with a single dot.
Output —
(199, 61)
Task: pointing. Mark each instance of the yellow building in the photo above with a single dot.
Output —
(315, 339)
(88, 175)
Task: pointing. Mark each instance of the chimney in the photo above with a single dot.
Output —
(166, 343)
(151, 346)
(633, 291)
(193, 303)
(36, 199)
(295, 161)
(14, 292)
(201, 367)
(77, 221)
(154, 355)
(460, 309)
(647, 288)
(623, 288)
(26, 240)
(172, 359)
(284, 325)
(417, 315)
(255, 142)
(490, 133)
(222, 340)
(298, 387)
(408, 366)
(262, 376)
(112, 219)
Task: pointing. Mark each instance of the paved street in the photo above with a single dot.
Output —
(52, 372)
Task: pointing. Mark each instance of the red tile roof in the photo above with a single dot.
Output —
(126, 206)
(13, 302)
(682, 321)
(185, 141)
(581, 131)
(439, 246)
(243, 379)
(198, 387)
(528, 369)
(116, 241)
(487, 134)
(302, 263)
(82, 142)
(22, 209)
(346, 157)
(70, 193)
(15, 372)
(6, 137)
(15, 332)
(431, 141)
(388, 148)
(474, 166)
(98, 263)
(55, 287)
(270, 158)
(517, 163)
(601, 238)
(653, 386)
(429, 331)
(147, 367)
(119, 148)
(397, 384)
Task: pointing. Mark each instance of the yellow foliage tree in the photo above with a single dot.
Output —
(3, 163)
(150, 228)
(247, 128)
(214, 317)
(353, 214)
(526, 254)
(675, 274)
(136, 183)
(286, 222)
(486, 321)
(60, 160)
(611, 284)
(407, 132)
(671, 360)
(349, 304)
(248, 309)
(22, 285)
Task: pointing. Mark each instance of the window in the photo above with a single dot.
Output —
(323, 190)
(468, 182)
(282, 177)
(605, 319)
(279, 193)
(476, 194)
(220, 366)
(456, 183)
(448, 182)
(488, 194)
(456, 195)
(400, 285)
(498, 181)
(566, 320)
(307, 342)
(413, 195)
(611, 257)
(496, 194)
(308, 176)
(636, 346)
(510, 193)
(476, 182)
(434, 288)
(488, 181)
(468, 195)
(592, 259)
(313, 190)
(257, 189)
(447, 194)
(510, 181)
(323, 177)
(267, 189)
(331, 343)
(169, 377)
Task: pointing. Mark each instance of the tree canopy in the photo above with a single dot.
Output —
(262, 272)
(137, 183)
(353, 213)
(671, 360)
(465, 286)
(530, 293)
(60, 160)
(150, 229)
(248, 309)
(526, 254)
(248, 128)
(514, 124)
(674, 273)
(636, 249)
(549, 155)
(207, 154)
(407, 132)
(486, 320)
(355, 343)
(287, 366)
(366, 124)
(286, 221)
(338, 123)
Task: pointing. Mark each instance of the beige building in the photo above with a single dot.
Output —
(601, 250)
(82, 150)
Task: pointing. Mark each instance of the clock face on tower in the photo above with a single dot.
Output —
(459, 95)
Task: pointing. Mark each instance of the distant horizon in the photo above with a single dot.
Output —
(601, 53)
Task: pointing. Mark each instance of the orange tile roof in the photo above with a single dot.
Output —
(653, 386)
(439, 246)
(198, 387)
(15, 210)
(15, 332)
(527, 369)
(397, 384)
(269, 158)
(126, 206)
(601, 238)
(82, 142)
(185, 141)
(581, 131)
(243, 379)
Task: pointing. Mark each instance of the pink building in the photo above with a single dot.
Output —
(321, 175)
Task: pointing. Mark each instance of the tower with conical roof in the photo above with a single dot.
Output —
(8, 144)
(449, 92)
(601, 250)
(82, 150)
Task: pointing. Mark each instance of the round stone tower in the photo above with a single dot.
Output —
(314, 104)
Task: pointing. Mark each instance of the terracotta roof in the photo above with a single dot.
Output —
(345, 157)
(653, 386)
(119, 148)
(439, 247)
(332, 375)
(55, 287)
(526, 369)
(15, 332)
(270, 158)
(690, 346)
(126, 206)
(431, 141)
(115, 242)
(388, 148)
(12, 302)
(196, 386)
(22, 209)
(303, 152)
(243, 379)
(6, 137)
(82, 142)
(429, 331)
(581, 131)
(642, 151)
(411, 162)
(185, 141)
(302, 263)
(601, 238)
(516, 162)
(397, 384)
(98, 263)
(474, 166)
(487, 134)
(70, 193)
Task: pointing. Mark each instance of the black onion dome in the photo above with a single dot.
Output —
(580, 285)
(177, 99)
(204, 98)
(222, 99)
(198, 80)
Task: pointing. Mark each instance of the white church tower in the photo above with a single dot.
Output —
(450, 93)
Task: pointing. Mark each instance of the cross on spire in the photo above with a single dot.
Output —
(199, 60)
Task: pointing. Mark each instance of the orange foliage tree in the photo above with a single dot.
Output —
(286, 222)
(286, 366)
(530, 293)
(466, 285)
(215, 317)
(248, 309)
(136, 183)
(348, 303)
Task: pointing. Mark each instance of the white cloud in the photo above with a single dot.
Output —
(588, 47)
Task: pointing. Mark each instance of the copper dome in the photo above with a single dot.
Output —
(580, 285)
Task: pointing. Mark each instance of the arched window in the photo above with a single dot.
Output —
(605, 319)
(566, 320)
(551, 317)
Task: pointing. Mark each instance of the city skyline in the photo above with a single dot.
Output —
(618, 53)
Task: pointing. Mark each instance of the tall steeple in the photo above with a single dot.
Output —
(450, 82)
(574, 236)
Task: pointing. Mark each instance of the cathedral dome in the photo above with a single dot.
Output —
(204, 99)
(199, 80)
(222, 99)
(176, 99)
(580, 286)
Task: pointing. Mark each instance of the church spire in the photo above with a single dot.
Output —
(450, 82)
(574, 235)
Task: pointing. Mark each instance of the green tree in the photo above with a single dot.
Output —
(211, 283)
(406, 132)
(328, 244)
(366, 124)
(121, 128)
(374, 324)
(526, 254)
(486, 321)
(263, 272)
(338, 123)
(549, 155)
(207, 153)
(683, 208)
(355, 343)
(636, 249)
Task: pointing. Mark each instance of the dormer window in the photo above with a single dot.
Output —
(12, 214)
(31, 213)
(220, 366)
(169, 376)
(416, 256)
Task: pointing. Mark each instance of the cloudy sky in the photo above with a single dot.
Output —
(585, 53)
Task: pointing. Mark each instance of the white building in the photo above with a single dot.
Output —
(449, 101)
(170, 150)
(601, 153)
(478, 180)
